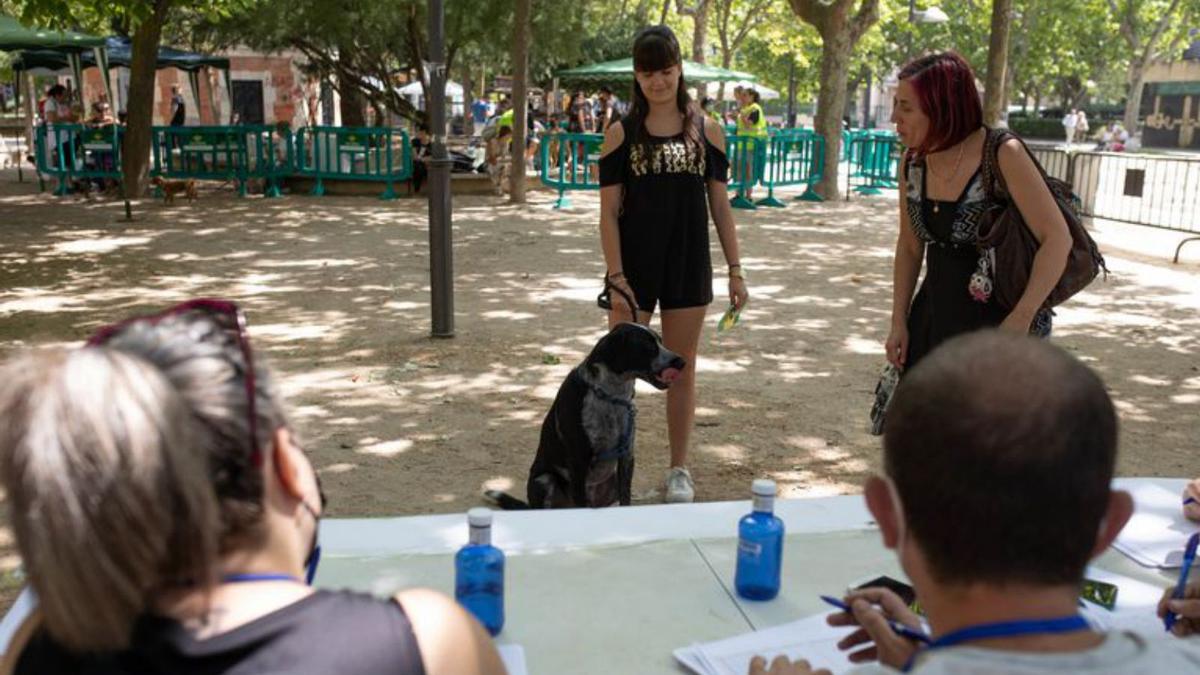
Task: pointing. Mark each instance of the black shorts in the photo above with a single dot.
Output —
(671, 269)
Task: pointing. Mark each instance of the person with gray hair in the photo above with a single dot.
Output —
(168, 519)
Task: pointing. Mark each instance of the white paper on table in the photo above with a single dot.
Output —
(1157, 532)
(513, 657)
(810, 638)
(1136, 608)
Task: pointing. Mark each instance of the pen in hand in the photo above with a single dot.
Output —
(899, 628)
(1189, 558)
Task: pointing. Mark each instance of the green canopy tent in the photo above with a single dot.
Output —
(16, 37)
(120, 53)
(621, 71)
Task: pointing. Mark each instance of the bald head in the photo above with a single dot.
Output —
(1002, 446)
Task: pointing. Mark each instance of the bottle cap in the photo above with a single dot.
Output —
(763, 487)
(479, 517)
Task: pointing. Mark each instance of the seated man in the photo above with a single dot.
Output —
(998, 459)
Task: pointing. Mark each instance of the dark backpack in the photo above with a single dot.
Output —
(1003, 229)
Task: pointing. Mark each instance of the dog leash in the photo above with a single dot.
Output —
(605, 301)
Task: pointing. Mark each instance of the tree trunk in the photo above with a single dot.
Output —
(1133, 104)
(135, 150)
(353, 104)
(835, 67)
(520, 59)
(468, 99)
(995, 99)
(839, 33)
(700, 42)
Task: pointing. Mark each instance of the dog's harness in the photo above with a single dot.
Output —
(624, 445)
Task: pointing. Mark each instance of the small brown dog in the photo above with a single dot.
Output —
(170, 188)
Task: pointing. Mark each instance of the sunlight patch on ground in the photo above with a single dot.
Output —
(36, 300)
(502, 483)
(707, 365)
(340, 467)
(101, 245)
(1131, 411)
(509, 314)
(857, 345)
(1152, 381)
(386, 448)
(726, 451)
(291, 331)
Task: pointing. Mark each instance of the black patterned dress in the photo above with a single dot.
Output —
(946, 305)
(665, 212)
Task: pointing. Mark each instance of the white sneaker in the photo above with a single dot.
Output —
(680, 487)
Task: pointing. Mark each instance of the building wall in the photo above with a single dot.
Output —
(286, 94)
(1170, 105)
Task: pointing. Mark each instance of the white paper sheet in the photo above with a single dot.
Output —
(513, 657)
(1137, 604)
(1157, 532)
(810, 638)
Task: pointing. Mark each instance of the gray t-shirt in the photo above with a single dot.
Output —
(1119, 654)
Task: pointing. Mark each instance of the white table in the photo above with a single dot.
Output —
(616, 590)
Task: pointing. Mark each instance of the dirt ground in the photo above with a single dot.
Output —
(337, 294)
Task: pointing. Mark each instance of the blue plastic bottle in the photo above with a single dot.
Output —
(760, 546)
(479, 573)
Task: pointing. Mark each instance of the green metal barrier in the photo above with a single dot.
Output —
(201, 153)
(575, 165)
(270, 156)
(74, 151)
(353, 153)
(878, 162)
(794, 157)
(746, 158)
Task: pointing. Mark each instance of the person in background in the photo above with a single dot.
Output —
(101, 115)
(178, 107)
(479, 114)
(752, 122)
(55, 111)
(168, 518)
(498, 157)
(1011, 435)
(706, 104)
(606, 112)
(420, 157)
(1069, 122)
(1081, 127)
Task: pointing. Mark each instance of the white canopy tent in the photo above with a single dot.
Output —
(454, 91)
(764, 92)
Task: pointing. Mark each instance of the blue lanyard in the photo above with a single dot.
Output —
(266, 576)
(988, 631)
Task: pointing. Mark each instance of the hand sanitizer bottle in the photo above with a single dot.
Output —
(479, 573)
(760, 546)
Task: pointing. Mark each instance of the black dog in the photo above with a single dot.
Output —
(585, 456)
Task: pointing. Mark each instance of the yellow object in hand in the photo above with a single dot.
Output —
(729, 319)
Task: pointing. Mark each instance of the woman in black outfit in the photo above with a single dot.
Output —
(168, 520)
(938, 117)
(663, 171)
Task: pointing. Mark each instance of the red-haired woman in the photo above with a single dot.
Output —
(938, 117)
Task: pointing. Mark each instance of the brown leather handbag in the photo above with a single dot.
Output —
(1003, 230)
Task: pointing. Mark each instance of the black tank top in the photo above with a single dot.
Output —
(327, 633)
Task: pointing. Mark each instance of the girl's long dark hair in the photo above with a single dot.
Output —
(655, 48)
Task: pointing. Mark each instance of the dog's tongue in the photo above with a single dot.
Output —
(669, 375)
